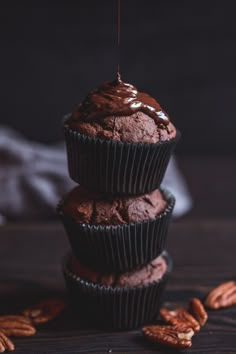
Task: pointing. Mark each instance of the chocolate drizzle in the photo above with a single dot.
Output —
(120, 99)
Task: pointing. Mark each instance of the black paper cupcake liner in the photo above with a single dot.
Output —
(119, 248)
(116, 167)
(116, 308)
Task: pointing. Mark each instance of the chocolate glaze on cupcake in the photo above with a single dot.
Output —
(95, 209)
(119, 140)
(117, 111)
(137, 277)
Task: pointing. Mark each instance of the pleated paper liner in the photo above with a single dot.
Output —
(115, 167)
(119, 248)
(113, 307)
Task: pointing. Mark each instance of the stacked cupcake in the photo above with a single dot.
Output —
(119, 142)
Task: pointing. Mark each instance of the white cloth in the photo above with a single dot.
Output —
(33, 178)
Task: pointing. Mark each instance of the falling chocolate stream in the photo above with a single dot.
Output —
(119, 98)
(118, 36)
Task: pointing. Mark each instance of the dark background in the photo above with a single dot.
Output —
(181, 52)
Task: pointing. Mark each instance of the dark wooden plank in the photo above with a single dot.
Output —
(203, 253)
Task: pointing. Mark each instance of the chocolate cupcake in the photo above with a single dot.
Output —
(119, 140)
(116, 233)
(117, 301)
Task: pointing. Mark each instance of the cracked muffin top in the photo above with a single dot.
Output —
(95, 209)
(147, 274)
(118, 111)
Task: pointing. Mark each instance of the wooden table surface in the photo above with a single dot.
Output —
(204, 254)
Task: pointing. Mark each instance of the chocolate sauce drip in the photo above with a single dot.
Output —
(118, 35)
(120, 99)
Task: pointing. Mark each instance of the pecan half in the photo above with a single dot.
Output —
(45, 311)
(196, 309)
(16, 326)
(180, 316)
(170, 336)
(223, 295)
(5, 343)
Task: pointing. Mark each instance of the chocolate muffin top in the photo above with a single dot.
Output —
(92, 208)
(147, 274)
(117, 111)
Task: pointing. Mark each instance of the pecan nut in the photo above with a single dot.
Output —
(16, 326)
(45, 311)
(196, 309)
(180, 317)
(5, 343)
(170, 336)
(223, 295)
